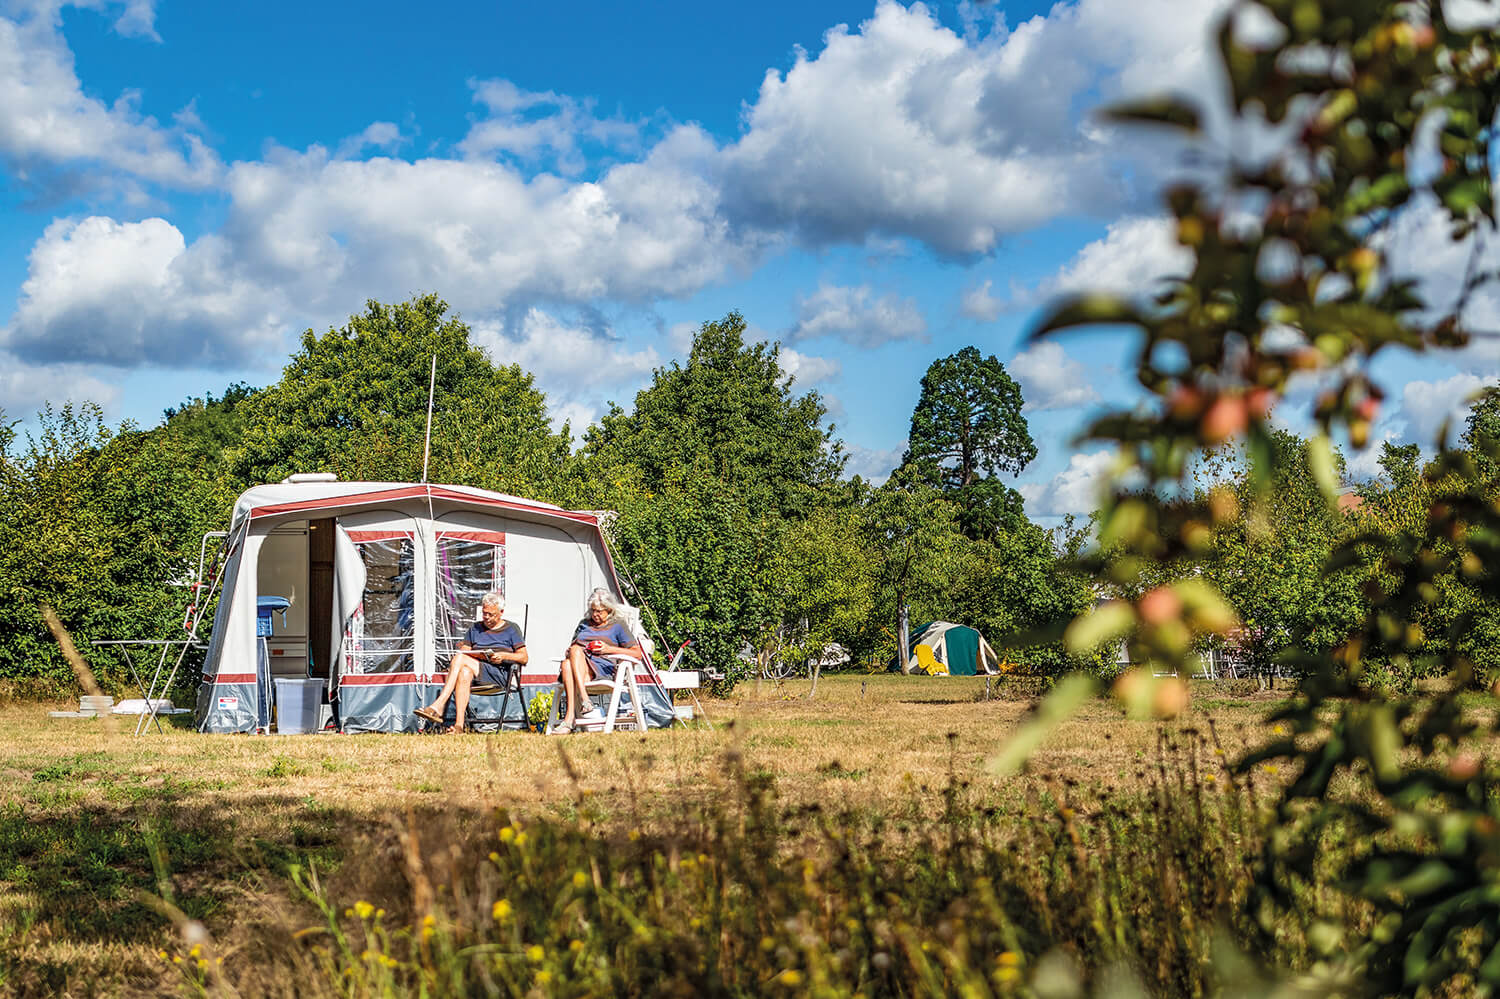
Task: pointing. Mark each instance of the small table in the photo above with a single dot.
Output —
(165, 644)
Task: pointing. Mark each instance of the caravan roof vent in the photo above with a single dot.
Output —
(309, 477)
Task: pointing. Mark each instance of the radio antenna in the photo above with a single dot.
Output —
(427, 442)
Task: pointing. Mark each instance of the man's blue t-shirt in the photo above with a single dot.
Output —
(613, 633)
(506, 638)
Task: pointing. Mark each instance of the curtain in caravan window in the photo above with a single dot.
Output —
(469, 565)
(379, 637)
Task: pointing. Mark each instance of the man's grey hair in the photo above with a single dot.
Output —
(494, 598)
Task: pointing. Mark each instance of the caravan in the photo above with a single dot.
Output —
(380, 583)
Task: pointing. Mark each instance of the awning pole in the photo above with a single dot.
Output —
(427, 442)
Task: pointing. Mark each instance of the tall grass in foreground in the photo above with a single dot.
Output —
(742, 897)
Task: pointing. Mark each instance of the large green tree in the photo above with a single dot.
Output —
(97, 523)
(968, 422)
(1482, 433)
(967, 428)
(354, 401)
(716, 462)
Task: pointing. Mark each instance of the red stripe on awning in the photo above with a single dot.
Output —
(484, 537)
(224, 678)
(366, 537)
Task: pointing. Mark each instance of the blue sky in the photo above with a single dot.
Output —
(189, 185)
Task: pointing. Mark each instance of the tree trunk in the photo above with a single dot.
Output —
(903, 631)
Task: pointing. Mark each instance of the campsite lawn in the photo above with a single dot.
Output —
(85, 806)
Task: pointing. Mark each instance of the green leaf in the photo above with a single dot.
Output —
(1106, 623)
(1088, 310)
(1169, 111)
(1320, 461)
(1059, 706)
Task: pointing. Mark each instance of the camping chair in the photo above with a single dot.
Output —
(624, 679)
(512, 685)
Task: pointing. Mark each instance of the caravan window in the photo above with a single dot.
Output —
(469, 565)
(382, 639)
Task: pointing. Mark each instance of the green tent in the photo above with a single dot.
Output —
(941, 648)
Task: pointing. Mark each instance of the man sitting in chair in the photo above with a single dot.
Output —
(602, 633)
(492, 647)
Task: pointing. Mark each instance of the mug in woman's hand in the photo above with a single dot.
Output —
(595, 645)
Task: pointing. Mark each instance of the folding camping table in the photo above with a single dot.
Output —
(158, 683)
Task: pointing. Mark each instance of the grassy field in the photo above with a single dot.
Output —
(99, 828)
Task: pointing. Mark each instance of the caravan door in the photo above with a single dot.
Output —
(378, 685)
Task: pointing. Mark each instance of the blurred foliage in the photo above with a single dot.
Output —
(1348, 121)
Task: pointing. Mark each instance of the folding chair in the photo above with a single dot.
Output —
(512, 685)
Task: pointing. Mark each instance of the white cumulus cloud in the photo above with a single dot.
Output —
(580, 369)
(1426, 404)
(1076, 489)
(1050, 379)
(857, 316)
(133, 293)
(1132, 259)
(874, 465)
(807, 369)
(976, 302)
(48, 123)
(905, 128)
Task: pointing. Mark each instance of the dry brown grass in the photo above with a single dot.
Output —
(238, 809)
(863, 739)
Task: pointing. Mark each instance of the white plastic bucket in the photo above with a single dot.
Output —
(297, 705)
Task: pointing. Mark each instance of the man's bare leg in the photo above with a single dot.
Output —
(459, 666)
(461, 700)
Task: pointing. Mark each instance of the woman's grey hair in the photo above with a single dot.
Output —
(600, 597)
(494, 598)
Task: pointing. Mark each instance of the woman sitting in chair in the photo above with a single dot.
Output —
(600, 634)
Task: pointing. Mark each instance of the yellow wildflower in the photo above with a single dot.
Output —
(520, 839)
(506, 835)
(1007, 975)
(767, 944)
(500, 911)
(575, 945)
(1008, 959)
(580, 879)
(494, 857)
(364, 910)
(695, 922)
(195, 951)
(634, 835)
(791, 976)
(535, 953)
(543, 977)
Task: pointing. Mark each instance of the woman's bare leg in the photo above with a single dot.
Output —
(575, 673)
